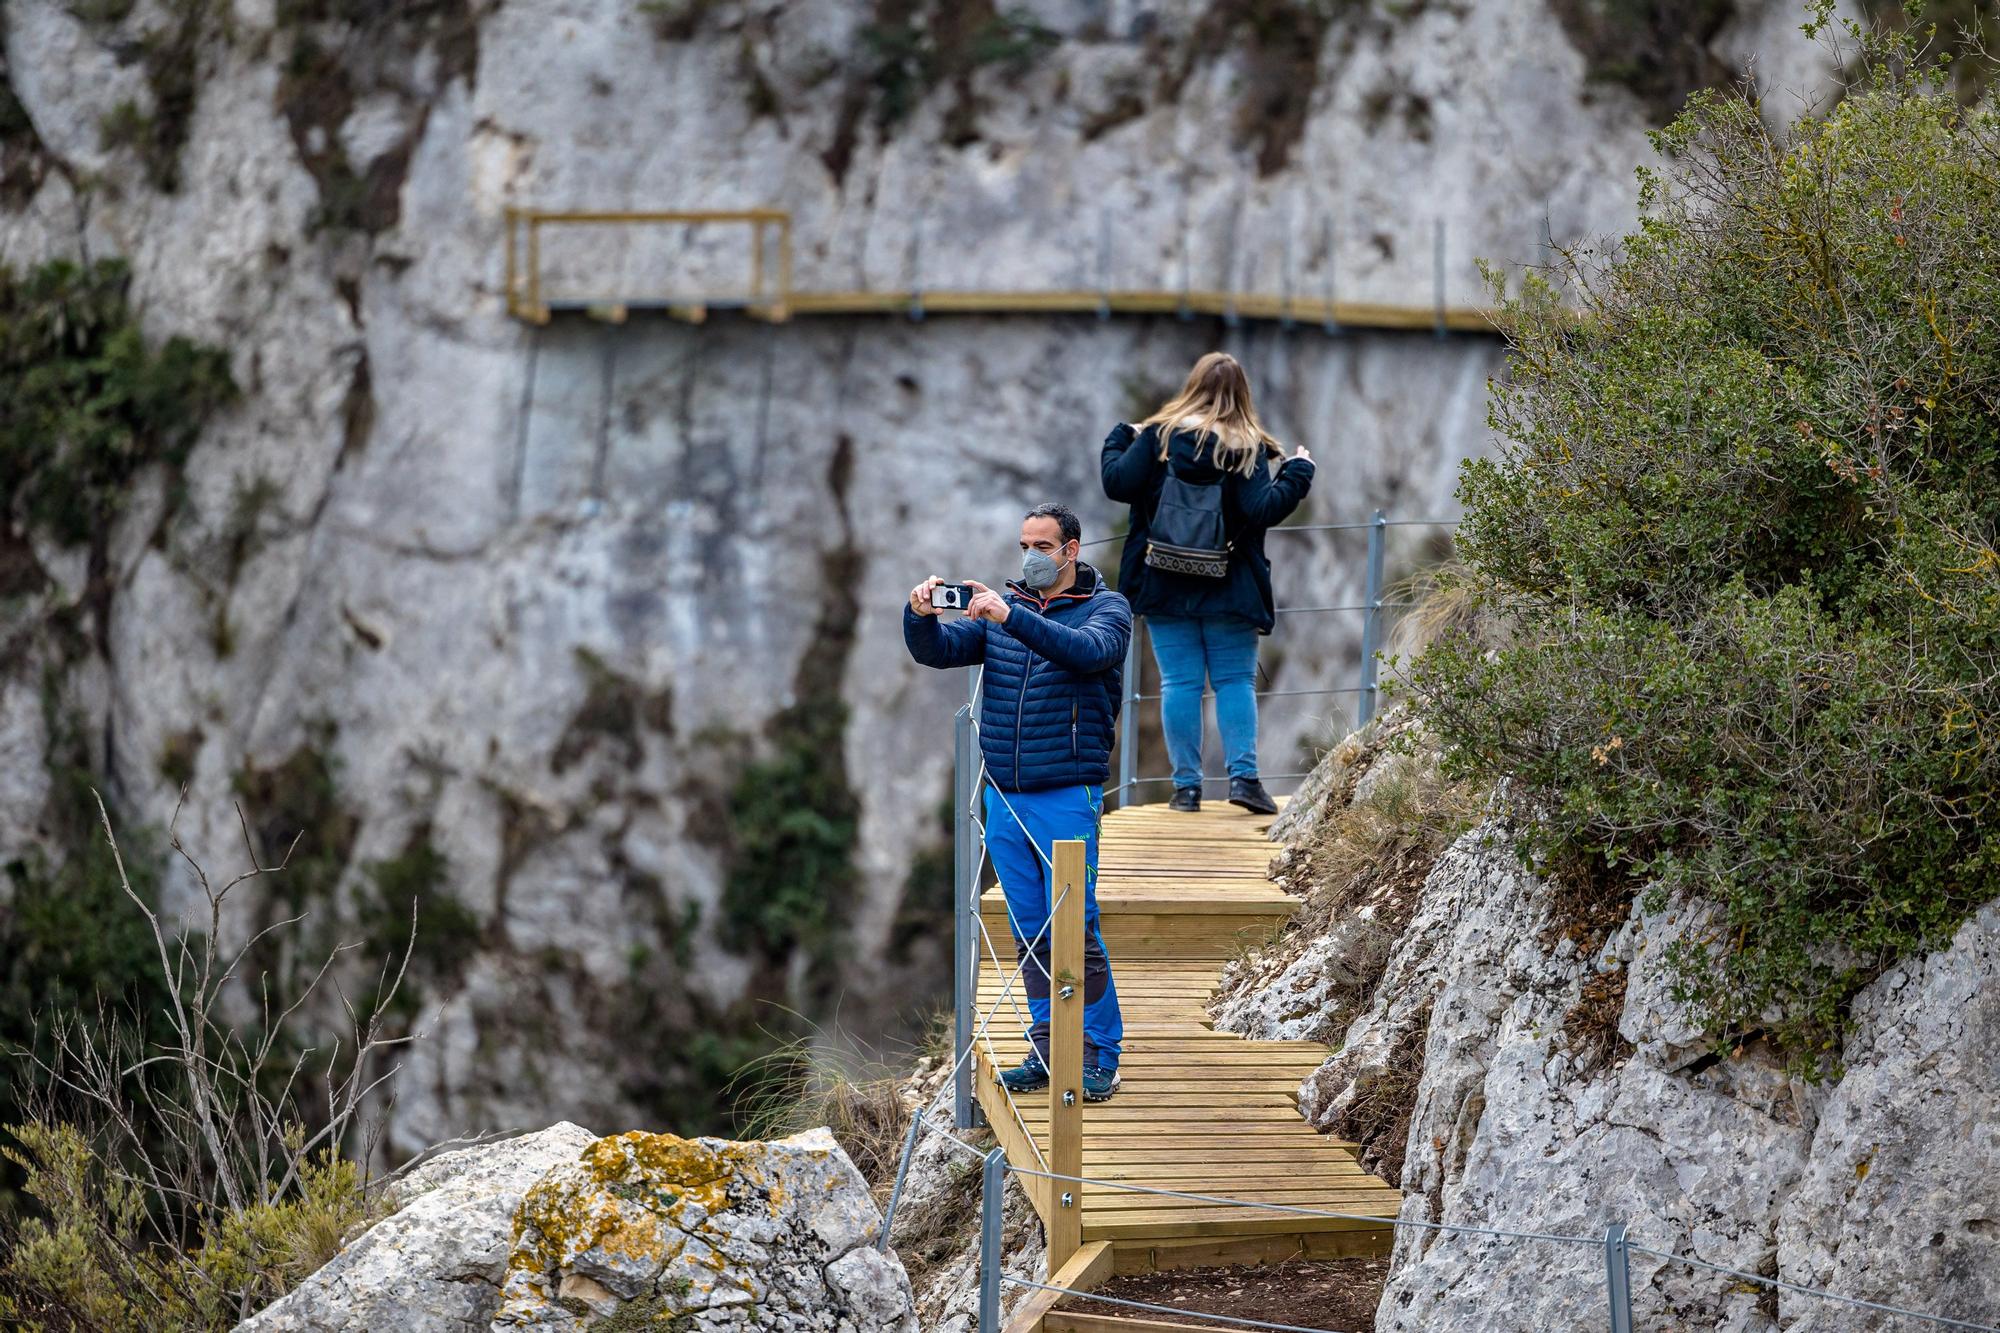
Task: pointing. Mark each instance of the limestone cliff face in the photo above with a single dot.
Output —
(1512, 1071)
(532, 603)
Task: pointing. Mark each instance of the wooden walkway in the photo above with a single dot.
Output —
(1199, 1111)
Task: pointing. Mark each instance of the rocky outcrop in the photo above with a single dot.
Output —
(775, 1235)
(435, 1265)
(562, 1232)
(1537, 1076)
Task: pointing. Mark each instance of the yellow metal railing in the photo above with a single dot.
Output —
(527, 299)
(770, 295)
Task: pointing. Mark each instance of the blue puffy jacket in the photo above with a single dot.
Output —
(1049, 700)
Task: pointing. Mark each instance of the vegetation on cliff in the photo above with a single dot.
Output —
(1742, 534)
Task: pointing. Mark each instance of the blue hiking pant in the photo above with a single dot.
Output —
(1220, 651)
(1017, 825)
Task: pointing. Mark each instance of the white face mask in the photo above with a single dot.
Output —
(1040, 570)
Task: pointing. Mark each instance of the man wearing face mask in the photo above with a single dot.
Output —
(1054, 650)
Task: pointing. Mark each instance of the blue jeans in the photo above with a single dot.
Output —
(1021, 828)
(1220, 651)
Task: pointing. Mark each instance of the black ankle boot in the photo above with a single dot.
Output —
(1250, 794)
(1187, 800)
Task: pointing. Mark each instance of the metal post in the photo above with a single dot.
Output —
(1332, 240)
(965, 926)
(1371, 626)
(1437, 275)
(990, 1227)
(1104, 265)
(902, 1171)
(1285, 276)
(1186, 310)
(1618, 1278)
(1128, 750)
(513, 264)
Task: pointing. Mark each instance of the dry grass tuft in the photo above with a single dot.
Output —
(1377, 1118)
(808, 1082)
(1590, 1028)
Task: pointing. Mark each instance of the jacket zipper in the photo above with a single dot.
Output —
(1020, 716)
(1074, 706)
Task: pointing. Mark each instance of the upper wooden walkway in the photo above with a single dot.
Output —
(536, 290)
(1199, 1110)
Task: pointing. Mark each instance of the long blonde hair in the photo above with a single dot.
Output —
(1215, 405)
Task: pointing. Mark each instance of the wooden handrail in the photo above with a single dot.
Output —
(1070, 870)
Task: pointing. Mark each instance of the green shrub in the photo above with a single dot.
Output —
(794, 820)
(1741, 531)
(70, 941)
(85, 403)
(412, 891)
(89, 1260)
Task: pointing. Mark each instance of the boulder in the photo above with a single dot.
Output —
(712, 1234)
(436, 1264)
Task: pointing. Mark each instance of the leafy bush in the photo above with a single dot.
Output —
(89, 1261)
(69, 939)
(794, 820)
(85, 403)
(182, 1168)
(1741, 529)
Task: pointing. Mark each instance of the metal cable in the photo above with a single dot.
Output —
(1223, 777)
(1265, 694)
(1807, 1291)
(1318, 527)
(1165, 1309)
(1313, 1212)
(1357, 606)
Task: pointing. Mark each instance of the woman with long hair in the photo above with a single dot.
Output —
(1198, 476)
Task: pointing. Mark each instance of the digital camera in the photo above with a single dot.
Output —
(950, 597)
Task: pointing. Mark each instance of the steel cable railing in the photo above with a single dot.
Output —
(1371, 606)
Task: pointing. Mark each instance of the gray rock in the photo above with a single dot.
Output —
(436, 1264)
(1882, 1186)
(1899, 1201)
(770, 1235)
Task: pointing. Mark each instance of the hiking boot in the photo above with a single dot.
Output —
(1187, 800)
(1099, 1083)
(1250, 794)
(1031, 1075)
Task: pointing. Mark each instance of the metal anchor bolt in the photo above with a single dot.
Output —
(1067, 992)
(1068, 1199)
(1069, 1097)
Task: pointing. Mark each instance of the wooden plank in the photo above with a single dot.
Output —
(1074, 1321)
(1108, 1223)
(1169, 1253)
(1069, 869)
(1090, 1265)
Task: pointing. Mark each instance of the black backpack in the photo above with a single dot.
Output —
(1187, 534)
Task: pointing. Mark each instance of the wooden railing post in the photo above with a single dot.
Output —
(1067, 890)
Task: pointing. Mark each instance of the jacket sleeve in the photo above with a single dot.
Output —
(1266, 501)
(935, 644)
(1127, 465)
(1098, 644)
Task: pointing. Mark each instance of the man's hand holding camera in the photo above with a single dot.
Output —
(984, 603)
(920, 596)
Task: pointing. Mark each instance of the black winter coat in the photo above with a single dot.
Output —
(1134, 473)
(1048, 706)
